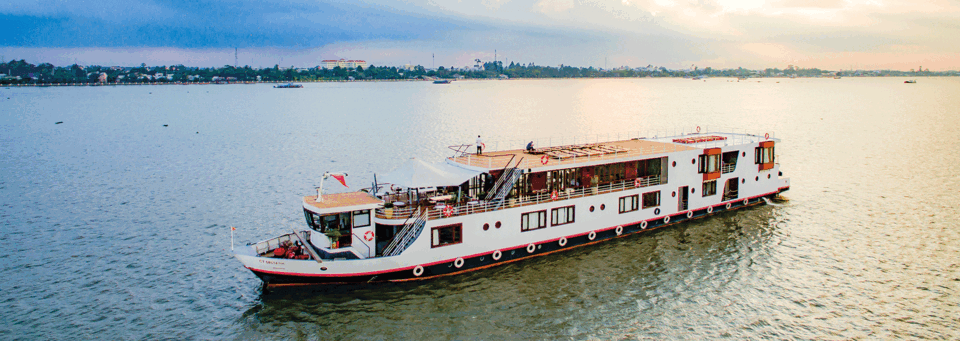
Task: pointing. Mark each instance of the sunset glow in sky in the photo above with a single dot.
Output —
(826, 34)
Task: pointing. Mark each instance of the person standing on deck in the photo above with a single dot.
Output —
(479, 145)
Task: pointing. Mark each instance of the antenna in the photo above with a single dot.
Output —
(235, 58)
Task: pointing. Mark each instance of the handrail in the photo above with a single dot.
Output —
(402, 240)
(728, 168)
(503, 176)
(361, 242)
(554, 141)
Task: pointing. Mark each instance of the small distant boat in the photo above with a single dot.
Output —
(441, 81)
(912, 81)
(288, 86)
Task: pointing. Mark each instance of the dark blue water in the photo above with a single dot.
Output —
(116, 226)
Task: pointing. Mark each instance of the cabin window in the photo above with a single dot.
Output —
(629, 203)
(709, 163)
(729, 161)
(446, 235)
(361, 218)
(709, 188)
(533, 220)
(763, 155)
(562, 215)
(651, 199)
(652, 171)
(731, 189)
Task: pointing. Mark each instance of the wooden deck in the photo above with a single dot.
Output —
(552, 156)
(342, 200)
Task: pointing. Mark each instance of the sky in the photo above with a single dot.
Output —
(677, 34)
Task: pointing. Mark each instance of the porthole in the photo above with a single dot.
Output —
(768, 176)
(674, 163)
(743, 181)
(693, 190)
(603, 207)
(744, 154)
(497, 225)
(591, 208)
(756, 179)
(673, 194)
(693, 161)
(486, 227)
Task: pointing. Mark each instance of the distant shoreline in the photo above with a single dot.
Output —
(45, 85)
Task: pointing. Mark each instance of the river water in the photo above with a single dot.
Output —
(115, 223)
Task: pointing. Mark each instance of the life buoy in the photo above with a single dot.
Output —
(483, 146)
(544, 159)
(554, 196)
(766, 136)
(368, 236)
(746, 201)
(698, 129)
(728, 206)
(592, 235)
(417, 271)
(619, 230)
(710, 209)
(563, 241)
(448, 211)
(497, 254)
(531, 248)
(666, 219)
(689, 214)
(458, 263)
(643, 225)
(637, 182)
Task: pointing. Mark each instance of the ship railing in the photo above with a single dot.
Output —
(271, 244)
(728, 168)
(739, 135)
(480, 206)
(730, 195)
(411, 230)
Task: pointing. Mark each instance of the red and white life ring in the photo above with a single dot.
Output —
(710, 209)
(554, 196)
(698, 129)
(563, 241)
(643, 225)
(689, 214)
(368, 236)
(637, 182)
(619, 230)
(728, 206)
(544, 159)
(766, 136)
(592, 235)
(666, 219)
(448, 211)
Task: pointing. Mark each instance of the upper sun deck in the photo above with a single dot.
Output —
(597, 152)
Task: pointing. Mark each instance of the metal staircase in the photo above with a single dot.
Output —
(506, 187)
(411, 230)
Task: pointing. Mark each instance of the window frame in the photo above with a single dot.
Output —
(703, 189)
(635, 198)
(643, 201)
(363, 212)
(542, 220)
(569, 212)
(435, 235)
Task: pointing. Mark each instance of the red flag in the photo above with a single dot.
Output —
(233, 228)
(340, 178)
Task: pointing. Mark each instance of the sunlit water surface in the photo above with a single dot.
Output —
(115, 226)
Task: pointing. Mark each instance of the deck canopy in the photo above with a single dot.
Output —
(416, 173)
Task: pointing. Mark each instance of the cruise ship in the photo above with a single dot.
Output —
(473, 211)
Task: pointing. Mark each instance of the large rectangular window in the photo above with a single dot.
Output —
(709, 163)
(361, 218)
(561, 215)
(533, 220)
(446, 235)
(709, 188)
(629, 203)
(763, 155)
(651, 199)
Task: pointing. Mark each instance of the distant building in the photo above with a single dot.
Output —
(343, 63)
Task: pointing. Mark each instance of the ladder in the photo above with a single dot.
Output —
(503, 176)
(507, 186)
(411, 230)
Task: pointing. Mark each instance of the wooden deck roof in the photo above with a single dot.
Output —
(338, 200)
(572, 154)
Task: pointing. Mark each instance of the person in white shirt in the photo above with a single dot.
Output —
(479, 145)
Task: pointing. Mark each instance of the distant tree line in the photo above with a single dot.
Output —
(21, 72)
